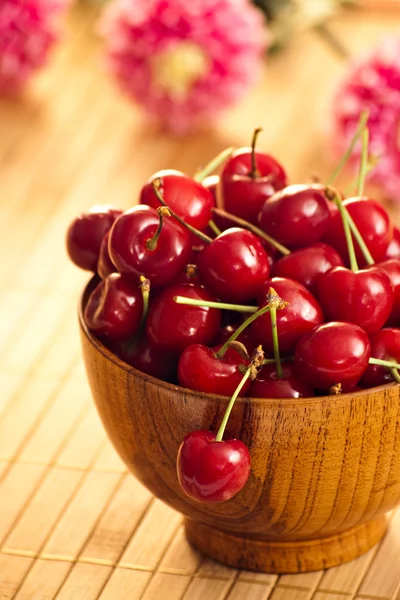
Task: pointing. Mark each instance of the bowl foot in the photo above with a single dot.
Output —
(284, 557)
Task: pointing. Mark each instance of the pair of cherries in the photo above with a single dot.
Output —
(290, 238)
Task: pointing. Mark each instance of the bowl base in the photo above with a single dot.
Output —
(284, 557)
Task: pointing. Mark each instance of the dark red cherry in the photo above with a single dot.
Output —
(268, 385)
(105, 266)
(364, 298)
(333, 353)
(171, 327)
(128, 245)
(115, 307)
(234, 265)
(392, 270)
(297, 216)
(211, 471)
(385, 345)
(200, 369)
(85, 234)
(226, 332)
(374, 224)
(144, 357)
(189, 199)
(393, 250)
(242, 191)
(300, 316)
(307, 264)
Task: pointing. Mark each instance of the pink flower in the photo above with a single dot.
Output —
(27, 31)
(184, 60)
(373, 82)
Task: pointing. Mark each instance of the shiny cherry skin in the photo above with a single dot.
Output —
(393, 250)
(141, 355)
(364, 298)
(200, 369)
(297, 216)
(268, 385)
(211, 183)
(333, 353)
(210, 471)
(115, 307)
(234, 266)
(85, 234)
(392, 270)
(300, 316)
(129, 253)
(189, 199)
(243, 195)
(374, 224)
(171, 327)
(385, 345)
(307, 264)
(105, 266)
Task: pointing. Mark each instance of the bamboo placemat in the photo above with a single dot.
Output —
(74, 525)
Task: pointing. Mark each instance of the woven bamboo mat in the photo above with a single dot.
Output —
(74, 525)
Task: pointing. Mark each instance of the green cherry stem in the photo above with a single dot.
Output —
(395, 375)
(216, 162)
(214, 227)
(256, 362)
(157, 183)
(384, 363)
(360, 128)
(334, 195)
(254, 170)
(221, 305)
(363, 163)
(145, 289)
(151, 243)
(253, 228)
(275, 303)
(221, 352)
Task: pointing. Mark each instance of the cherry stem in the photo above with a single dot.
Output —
(151, 243)
(360, 128)
(363, 163)
(395, 375)
(210, 304)
(145, 289)
(214, 227)
(221, 352)
(254, 170)
(384, 363)
(346, 227)
(275, 303)
(216, 162)
(157, 183)
(257, 361)
(253, 228)
(372, 162)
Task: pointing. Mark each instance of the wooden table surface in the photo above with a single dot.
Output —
(73, 524)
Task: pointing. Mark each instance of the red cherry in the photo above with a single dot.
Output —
(245, 337)
(105, 266)
(128, 249)
(189, 199)
(211, 183)
(393, 250)
(85, 234)
(385, 345)
(244, 193)
(300, 316)
(297, 216)
(211, 471)
(115, 307)
(392, 270)
(171, 327)
(234, 265)
(307, 264)
(144, 357)
(200, 369)
(364, 297)
(268, 385)
(374, 224)
(333, 353)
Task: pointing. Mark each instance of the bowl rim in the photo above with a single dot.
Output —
(111, 357)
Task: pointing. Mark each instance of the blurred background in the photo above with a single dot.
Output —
(94, 98)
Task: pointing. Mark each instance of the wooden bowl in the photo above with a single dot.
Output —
(324, 471)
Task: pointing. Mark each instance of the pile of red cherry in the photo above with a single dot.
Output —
(205, 270)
